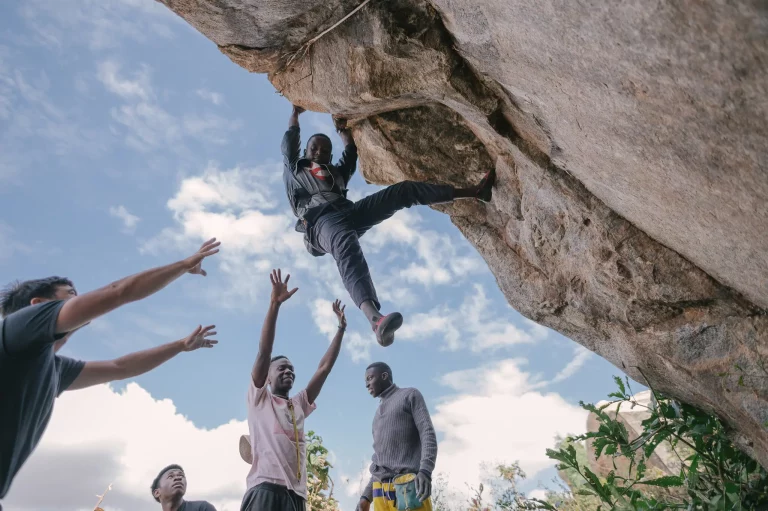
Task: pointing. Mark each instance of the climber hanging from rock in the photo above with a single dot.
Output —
(332, 224)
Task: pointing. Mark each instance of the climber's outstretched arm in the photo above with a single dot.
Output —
(348, 161)
(293, 120)
(292, 138)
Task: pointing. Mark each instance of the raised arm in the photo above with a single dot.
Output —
(82, 309)
(140, 362)
(326, 363)
(348, 161)
(428, 444)
(292, 138)
(280, 294)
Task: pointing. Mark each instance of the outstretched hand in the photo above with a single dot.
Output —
(194, 262)
(338, 309)
(298, 110)
(200, 338)
(280, 291)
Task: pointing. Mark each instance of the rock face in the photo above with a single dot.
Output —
(631, 145)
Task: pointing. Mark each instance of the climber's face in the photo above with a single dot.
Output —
(319, 150)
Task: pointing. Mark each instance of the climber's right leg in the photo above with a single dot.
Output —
(336, 236)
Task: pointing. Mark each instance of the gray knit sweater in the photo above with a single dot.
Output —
(404, 440)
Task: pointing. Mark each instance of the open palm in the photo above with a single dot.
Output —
(200, 338)
(280, 291)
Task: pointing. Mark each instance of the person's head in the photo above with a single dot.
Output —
(170, 484)
(378, 378)
(319, 149)
(281, 375)
(18, 295)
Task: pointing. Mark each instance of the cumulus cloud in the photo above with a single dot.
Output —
(477, 324)
(129, 220)
(99, 436)
(497, 416)
(440, 260)
(236, 206)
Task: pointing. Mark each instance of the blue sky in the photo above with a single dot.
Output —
(126, 138)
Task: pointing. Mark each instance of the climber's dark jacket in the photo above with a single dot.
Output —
(310, 197)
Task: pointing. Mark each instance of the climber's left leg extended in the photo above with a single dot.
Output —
(381, 205)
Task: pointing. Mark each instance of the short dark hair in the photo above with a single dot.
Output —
(278, 358)
(17, 295)
(320, 135)
(156, 482)
(382, 367)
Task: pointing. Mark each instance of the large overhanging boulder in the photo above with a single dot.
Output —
(631, 144)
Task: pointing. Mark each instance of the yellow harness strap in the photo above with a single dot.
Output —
(296, 433)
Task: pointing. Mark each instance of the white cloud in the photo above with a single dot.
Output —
(497, 416)
(138, 87)
(148, 125)
(354, 485)
(214, 97)
(440, 259)
(580, 357)
(235, 206)
(99, 436)
(98, 25)
(129, 220)
(476, 325)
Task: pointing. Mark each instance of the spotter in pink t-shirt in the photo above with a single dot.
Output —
(273, 439)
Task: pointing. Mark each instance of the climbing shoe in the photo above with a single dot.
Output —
(386, 326)
(485, 188)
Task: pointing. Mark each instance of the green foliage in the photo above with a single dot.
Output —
(318, 476)
(714, 474)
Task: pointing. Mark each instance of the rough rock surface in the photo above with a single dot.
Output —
(631, 144)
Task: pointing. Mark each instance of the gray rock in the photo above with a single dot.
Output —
(631, 144)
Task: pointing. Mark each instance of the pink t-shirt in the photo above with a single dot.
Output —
(273, 440)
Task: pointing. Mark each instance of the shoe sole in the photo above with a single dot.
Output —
(391, 324)
(490, 190)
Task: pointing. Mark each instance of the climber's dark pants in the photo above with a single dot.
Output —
(338, 230)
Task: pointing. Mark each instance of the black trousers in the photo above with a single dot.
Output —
(338, 230)
(271, 497)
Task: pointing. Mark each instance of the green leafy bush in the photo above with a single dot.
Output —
(714, 474)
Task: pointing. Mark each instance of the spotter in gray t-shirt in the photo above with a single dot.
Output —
(32, 376)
